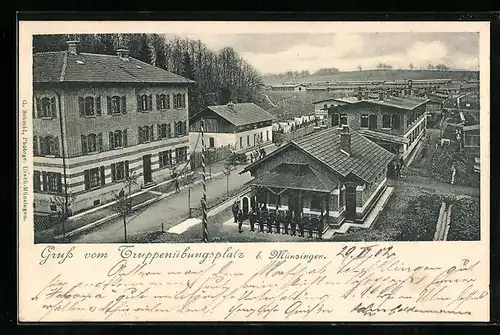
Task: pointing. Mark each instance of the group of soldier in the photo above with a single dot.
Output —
(278, 222)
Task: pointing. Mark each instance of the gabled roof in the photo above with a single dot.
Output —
(406, 103)
(348, 100)
(366, 161)
(295, 176)
(64, 66)
(240, 114)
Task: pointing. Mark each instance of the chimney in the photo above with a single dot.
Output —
(345, 140)
(230, 105)
(73, 47)
(123, 53)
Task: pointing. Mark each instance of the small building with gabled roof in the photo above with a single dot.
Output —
(333, 175)
(242, 126)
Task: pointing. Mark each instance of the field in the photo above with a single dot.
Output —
(379, 75)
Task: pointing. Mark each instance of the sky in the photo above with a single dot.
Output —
(280, 52)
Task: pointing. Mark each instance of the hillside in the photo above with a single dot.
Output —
(388, 75)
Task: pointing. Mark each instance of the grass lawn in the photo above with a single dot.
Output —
(465, 220)
(410, 215)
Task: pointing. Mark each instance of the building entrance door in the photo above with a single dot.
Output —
(350, 201)
(146, 167)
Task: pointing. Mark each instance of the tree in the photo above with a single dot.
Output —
(225, 95)
(411, 66)
(63, 209)
(360, 68)
(123, 204)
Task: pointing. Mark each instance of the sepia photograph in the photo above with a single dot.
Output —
(172, 171)
(286, 137)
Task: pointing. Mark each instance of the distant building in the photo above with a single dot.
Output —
(242, 126)
(395, 123)
(333, 175)
(435, 105)
(321, 107)
(289, 87)
(99, 118)
(471, 137)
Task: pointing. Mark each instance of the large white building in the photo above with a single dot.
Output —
(242, 126)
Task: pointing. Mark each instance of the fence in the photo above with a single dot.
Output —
(297, 133)
(212, 155)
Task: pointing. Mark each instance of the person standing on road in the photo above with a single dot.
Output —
(235, 209)
(240, 220)
(252, 220)
(260, 219)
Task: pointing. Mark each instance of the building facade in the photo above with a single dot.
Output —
(241, 126)
(395, 123)
(98, 119)
(332, 175)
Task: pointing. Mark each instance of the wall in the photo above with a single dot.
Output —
(220, 140)
(298, 133)
(258, 132)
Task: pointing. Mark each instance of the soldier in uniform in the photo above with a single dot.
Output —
(252, 219)
(277, 222)
(240, 220)
(270, 222)
(262, 221)
(286, 222)
(293, 225)
(235, 209)
(302, 223)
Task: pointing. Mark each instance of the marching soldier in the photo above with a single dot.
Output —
(252, 220)
(240, 220)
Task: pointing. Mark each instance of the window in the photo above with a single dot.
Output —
(37, 186)
(315, 201)
(163, 131)
(118, 139)
(364, 121)
(94, 178)
(162, 101)
(343, 119)
(49, 146)
(45, 108)
(181, 154)
(119, 171)
(117, 105)
(248, 140)
(396, 121)
(165, 158)
(144, 103)
(335, 120)
(241, 142)
(91, 143)
(211, 142)
(50, 182)
(145, 134)
(179, 100)
(89, 106)
(267, 135)
(386, 121)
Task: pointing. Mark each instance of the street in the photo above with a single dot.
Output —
(170, 210)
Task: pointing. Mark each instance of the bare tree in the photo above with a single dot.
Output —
(63, 209)
(123, 204)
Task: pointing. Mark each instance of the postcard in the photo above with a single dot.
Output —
(253, 171)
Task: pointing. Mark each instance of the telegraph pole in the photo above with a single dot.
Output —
(204, 198)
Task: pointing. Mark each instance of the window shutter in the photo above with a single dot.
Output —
(158, 131)
(138, 103)
(81, 106)
(124, 105)
(42, 146)
(103, 177)
(151, 138)
(38, 108)
(59, 183)
(150, 102)
(99, 142)
(86, 179)
(126, 169)
(124, 137)
(56, 146)
(185, 127)
(172, 129)
(53, 107)
(108, 99)
(167, 103)
(113, 172)
(36, 180)
(35, 145)
(84, 144)
(111, 141)
(98, 105)
(140, 134)
(157, 102)
(44, 181)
